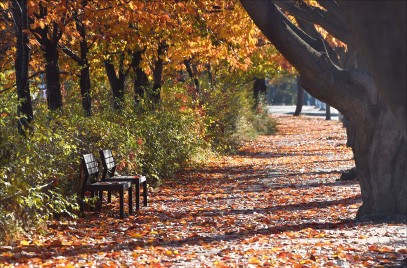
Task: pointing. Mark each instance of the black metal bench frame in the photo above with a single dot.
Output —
(109, 174)
(90, 183)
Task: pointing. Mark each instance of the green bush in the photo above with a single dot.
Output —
(169, 141)
(32, 174)
(39, 172)
(230, 118)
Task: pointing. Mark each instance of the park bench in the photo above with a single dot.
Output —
(110, 174)
(90, 183)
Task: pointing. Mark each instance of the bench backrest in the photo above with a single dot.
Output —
(91, 168)
(109, 166)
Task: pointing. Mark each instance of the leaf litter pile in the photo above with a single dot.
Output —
(276, 203)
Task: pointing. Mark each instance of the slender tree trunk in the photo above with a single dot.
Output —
(82, 60)
(48, 37)
(84, 80)
(210, 75)
(141, 79)
(300, 97)
(116, 83)
(259, 87)
(192, 74)
(52, 76)
(328, 112)
(25, 110)
(158, 73)
(85, 85)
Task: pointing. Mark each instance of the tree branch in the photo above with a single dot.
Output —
(321, 44)
(317, 16)
(333, 10)
(71, 54)
(321, 78)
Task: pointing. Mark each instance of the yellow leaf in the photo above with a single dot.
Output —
(7, 254)
(41, 24)
(135, 235)
(131, 6)
(254, 260)
(24, 243)
(220, 264)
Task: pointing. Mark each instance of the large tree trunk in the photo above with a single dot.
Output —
(380, 155)
(380, 30)
(25, 110)
(378, 143)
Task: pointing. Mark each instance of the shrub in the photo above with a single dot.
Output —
(39, 173)
(32, 188)
(230, 119)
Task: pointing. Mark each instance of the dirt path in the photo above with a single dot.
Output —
(276, 204)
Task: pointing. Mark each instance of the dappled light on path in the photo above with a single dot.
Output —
(275, 203)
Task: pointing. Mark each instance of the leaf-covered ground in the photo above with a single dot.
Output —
(274, 204)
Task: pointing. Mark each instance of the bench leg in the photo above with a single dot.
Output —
(99, 205)
(122, 204)
(92, 207)
(137, 197)
(131, 200)
(109, 197)
(81, 204)
(145, 193)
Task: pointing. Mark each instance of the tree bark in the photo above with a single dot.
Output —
(141, 79)
(82, 60)
(380, 156)
(116, 81)
(48, 37)
(259, 87)
(158, 73)
(378, 145)
(380, 30)
(24, 110)
(52, 76)
(192, 74)
(84, 79)
(210, 75)
(328, 112)
(300, 98)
